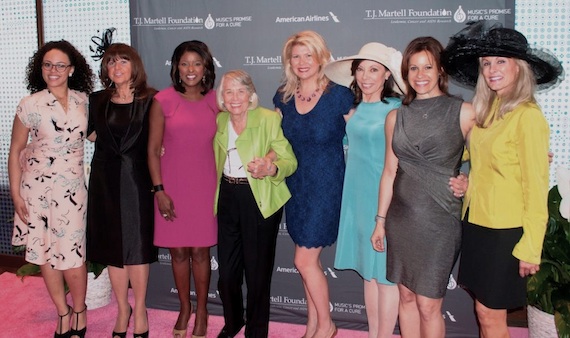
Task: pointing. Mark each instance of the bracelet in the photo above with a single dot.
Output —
(378, 217)
(157, 188)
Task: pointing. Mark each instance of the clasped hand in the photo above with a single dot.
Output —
(458, 185)
(260, 167)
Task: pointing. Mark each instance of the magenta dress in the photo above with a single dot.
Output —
(188, 171)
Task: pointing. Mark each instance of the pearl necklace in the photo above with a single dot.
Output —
(306, 98)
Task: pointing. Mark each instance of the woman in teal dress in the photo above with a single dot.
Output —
(374, 77)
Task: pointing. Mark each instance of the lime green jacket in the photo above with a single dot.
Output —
(508, 180)
(262, 133)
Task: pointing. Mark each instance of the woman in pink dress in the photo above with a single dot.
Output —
(183, 121)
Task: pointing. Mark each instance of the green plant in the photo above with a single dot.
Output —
(549, 289)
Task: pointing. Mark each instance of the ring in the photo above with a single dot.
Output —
(164, 215)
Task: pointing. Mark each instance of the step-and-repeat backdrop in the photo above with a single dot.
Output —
(249, 34)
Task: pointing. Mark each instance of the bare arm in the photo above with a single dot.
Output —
(156, 132)
(92, 137)
(466, 120)
(386, 184)
(349, 115)
(18, 143)
(459, 184)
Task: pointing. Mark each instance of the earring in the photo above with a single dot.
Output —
(203, 79)
(179, 80)
(70, 75)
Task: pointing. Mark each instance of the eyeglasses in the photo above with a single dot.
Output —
(59, 67)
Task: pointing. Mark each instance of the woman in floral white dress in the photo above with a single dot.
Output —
(47, 181)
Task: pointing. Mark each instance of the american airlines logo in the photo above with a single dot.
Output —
(308, 18)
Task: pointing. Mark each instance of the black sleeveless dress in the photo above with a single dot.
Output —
(423, 227)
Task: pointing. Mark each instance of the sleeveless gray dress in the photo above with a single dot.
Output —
(423, 227)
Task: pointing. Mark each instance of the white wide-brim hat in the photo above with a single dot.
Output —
(340, 71)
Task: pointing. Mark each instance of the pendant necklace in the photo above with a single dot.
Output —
(307, 98)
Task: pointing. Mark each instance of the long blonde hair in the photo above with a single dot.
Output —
(317, 46)
(522, 91)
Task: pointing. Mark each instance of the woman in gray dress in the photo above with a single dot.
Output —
(417, 212)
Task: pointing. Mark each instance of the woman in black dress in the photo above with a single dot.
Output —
(120, 213)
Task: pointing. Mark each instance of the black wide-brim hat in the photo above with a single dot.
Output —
(461, 56)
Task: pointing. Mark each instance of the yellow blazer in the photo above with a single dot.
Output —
(262, 133)
(508, 180)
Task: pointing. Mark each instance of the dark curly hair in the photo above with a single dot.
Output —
(201, 49)
(81, 79)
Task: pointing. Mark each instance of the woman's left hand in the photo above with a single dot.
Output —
(260, 167)
(526, 268)
(459, 184)
(378, 236)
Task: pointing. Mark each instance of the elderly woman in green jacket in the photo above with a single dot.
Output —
(251, 194)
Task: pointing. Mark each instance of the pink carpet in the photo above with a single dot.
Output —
(26, 311)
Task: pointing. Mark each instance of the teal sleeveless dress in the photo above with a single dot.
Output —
(364, 165)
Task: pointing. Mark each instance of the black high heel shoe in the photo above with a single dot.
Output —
(76, 332)
(141, 335)
(63, 334)
(124, 334)
(144, 334)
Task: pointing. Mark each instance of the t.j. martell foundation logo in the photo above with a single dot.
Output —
(209, 23)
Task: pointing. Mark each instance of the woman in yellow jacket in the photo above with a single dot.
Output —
(505, 207)
(250, 198)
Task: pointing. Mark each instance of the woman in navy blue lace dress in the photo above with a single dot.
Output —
(313, 108)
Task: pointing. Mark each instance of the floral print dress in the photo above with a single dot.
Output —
(53, 180)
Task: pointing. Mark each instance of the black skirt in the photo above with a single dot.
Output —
(488, 268)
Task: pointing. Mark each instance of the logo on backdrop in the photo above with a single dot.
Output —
(328, 272)
(164, 258)
(450, 316)
(227, 21)
(270, 62)
(217, 63)
(308, 18)
(352, 308)
(452, 283)
(169, 22)
(334, 17)
(434, 15)
(214, 264)
(410, 15)
(283, 229)
(488, 13)
(285, 302)
(287, 270)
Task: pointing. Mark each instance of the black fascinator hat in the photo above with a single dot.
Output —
(461, 56)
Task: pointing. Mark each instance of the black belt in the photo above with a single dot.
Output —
(235, 180)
